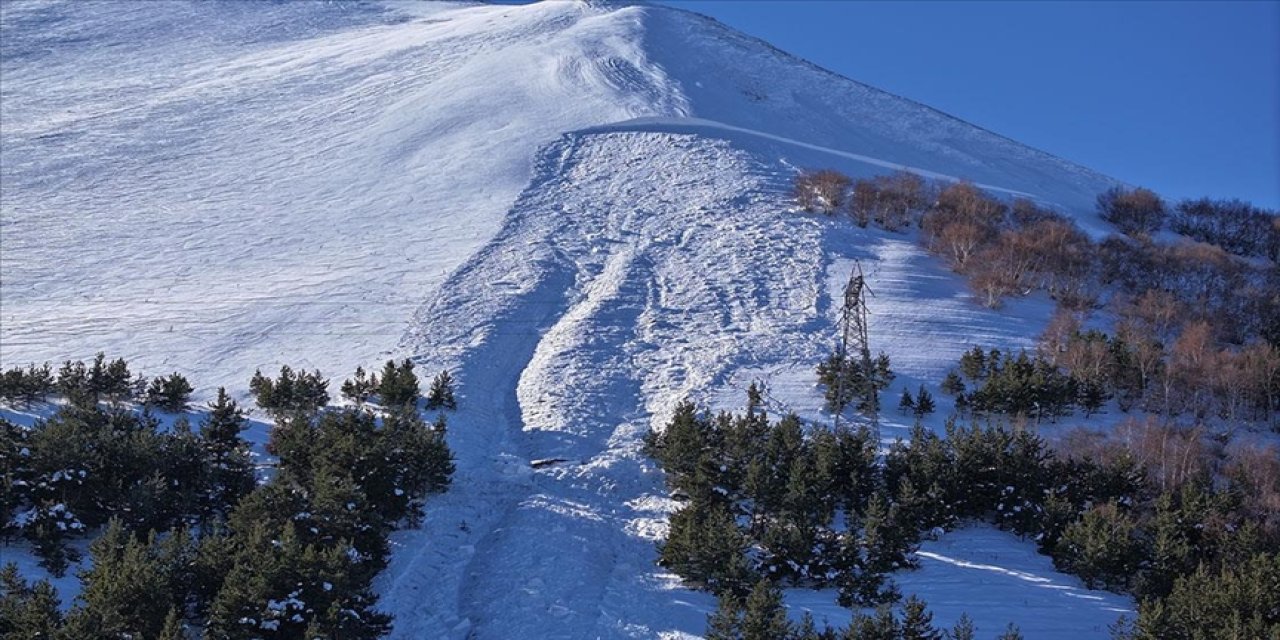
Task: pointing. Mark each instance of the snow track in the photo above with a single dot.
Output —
(587, 295)
(639, 268)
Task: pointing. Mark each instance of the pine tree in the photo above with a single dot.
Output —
(1235, 601)
(27, 612)
(181, 478)
(974, 365)
(291, 395)
(808, 630)
(441, 394)
(119, 595)
(112, 379)
(883, 374)
(1171, 554)
(765, 617)
(176, 554)
(1011, 632)
(917, 622)
(881, 626)
(679, 446)
(907, 403)
(26, 385)
(923, 403)
(1102, 547)
(705, 545)
(12, 383)
(173, 628)
(399, 385)
(1091, 395)
(73, 384)
(963, 629)
(886, 537)
(215, 554)
(48, 527)
(417, 461)
(360, 387)
(858, 584)
(169, 393)
(845, 468)
(953, 384)
(231, 472)
(281, 585)
(755, 398)
(726, 622)
(258, 573)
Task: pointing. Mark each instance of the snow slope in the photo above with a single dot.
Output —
(580, 209)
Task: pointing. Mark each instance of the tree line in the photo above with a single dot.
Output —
(776, 503)
(769, 504)
(192, 541)
(87, 384)
(1197, 319)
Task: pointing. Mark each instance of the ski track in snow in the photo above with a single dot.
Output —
(579, 209)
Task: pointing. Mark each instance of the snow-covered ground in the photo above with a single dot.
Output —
(982, 569)
(580, 209)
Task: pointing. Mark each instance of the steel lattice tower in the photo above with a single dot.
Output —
(854, 344)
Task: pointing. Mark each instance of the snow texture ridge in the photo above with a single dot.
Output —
(580, 209)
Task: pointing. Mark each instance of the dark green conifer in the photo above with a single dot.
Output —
(764, 616)
(953, 384)
(360, 387)
(120, 594)
(880, 626)
(924, 402)
(399, 385)
(973, 364)
(963, 629)
(441, 394)
(1010, 633)
(170, 393)
(725, 623)
(173, 628)
(755, 398)
(906, 404)
(27, 612)
(1102, 547)
(231, 472)
(917, 622)
(704, 545)
(73, 384)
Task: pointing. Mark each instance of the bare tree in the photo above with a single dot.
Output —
(1190, 367)
(821, 191)
(865, 202)
(902, 196)
(960, 240)
(1134, 213)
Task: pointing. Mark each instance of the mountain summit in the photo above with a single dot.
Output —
(581, 209)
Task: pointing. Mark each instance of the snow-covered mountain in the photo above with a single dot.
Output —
(579, 208)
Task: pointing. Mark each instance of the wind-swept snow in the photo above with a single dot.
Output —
(261, 195)
(580, 209)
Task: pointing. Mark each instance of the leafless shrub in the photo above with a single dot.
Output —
(1134, 213)
(821, 191)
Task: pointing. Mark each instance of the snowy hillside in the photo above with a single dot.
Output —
(580, 209)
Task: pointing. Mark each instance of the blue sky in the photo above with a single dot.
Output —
(1181, 97)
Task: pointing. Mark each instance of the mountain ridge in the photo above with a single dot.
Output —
(582, 211)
